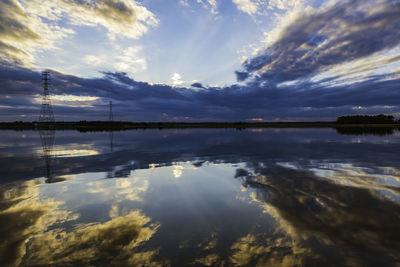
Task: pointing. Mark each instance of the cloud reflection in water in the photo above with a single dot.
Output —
(243, 198)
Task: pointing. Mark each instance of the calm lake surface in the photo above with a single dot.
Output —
(199, 197)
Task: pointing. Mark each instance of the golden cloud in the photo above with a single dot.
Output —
(114, 241)
(24, 32)
(23, 216)
(28, 238)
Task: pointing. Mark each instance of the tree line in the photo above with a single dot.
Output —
(367, 119)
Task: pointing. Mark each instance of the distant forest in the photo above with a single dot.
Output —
(366, 119)
(344, 124)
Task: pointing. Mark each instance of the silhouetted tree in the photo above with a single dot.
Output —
(366, 119)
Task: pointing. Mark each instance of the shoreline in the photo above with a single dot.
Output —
(123, 125)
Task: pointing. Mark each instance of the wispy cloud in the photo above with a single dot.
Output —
(247, 6)
(320, 39)
(119, 17)
(283, 4)
(31, 26)
(210, 5)
(131, 60)
(22, 34)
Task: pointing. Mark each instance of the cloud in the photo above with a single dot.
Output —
(131, 60)
(241, 75)
(209, 4)
(197, 85)
(14, 25)
(321, 63)
(176, 79)
(15, 55)
(184, 3)
(282, 4)
(317, 40)
(206, 4)
(362, 69)
(141, 101)
(93, 60)
(246, 6)
(274, 8)
(21, 35)
(120, 18)
(30, 27)
(69, 100)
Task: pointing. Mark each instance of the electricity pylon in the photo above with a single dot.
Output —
(111, 115)
(46, 113)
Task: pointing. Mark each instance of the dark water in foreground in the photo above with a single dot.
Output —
(271, 197)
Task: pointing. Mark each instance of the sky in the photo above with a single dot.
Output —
(200, 60)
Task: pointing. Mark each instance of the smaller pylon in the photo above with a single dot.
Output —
(111, 115)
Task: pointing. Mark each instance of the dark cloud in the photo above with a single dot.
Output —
(141, 101)
(241, 75)
(310, 44)
(197, 85)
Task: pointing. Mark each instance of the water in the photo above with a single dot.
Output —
(256, 197)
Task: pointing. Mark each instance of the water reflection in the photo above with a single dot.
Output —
(277, 197)
(366, 130)
(114, 242)
(47, 137)
(313, 212)
(111, 134)
(38, 231)
(24, 214)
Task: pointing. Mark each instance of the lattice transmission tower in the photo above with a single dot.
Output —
(111, 115)
(46, 113)
(111, 133)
